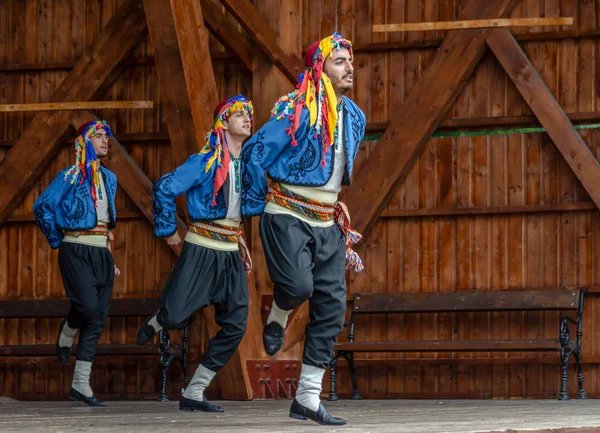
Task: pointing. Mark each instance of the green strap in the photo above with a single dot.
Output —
(376, 137)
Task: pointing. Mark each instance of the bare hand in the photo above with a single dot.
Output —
(117, 271)
(174, 239)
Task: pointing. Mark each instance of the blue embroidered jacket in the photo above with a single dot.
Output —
(70, 206)
(191, 177)
(271, 149)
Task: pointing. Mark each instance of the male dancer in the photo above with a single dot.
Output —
(76, 214)
(214, 258)
(308, 148)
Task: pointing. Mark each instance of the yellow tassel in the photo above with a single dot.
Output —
(332, 116)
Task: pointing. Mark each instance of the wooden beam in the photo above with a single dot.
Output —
(493, 210)
(171, 79)
(126, 137)
(483, 123)
(192, 36)
(138, 60)
(227, 33)
(420, 115)
(412, 213)
(473, 24)
(42, 138)
(434, 43)
(547, 110)
(265, 37)
(60, 106)
(131, 178)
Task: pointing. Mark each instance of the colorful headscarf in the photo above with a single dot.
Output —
(315, 92)
(86, 161)
(215, 149)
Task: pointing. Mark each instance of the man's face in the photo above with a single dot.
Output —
(100, 142)
(239, 124)
(340, 71)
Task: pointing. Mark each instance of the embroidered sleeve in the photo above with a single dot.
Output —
(189, 175)
(44, 210)
(259, 153)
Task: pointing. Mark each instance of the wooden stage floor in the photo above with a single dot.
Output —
(271, 417)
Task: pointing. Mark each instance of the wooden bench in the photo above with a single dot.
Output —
(165, 351)
(459, 302)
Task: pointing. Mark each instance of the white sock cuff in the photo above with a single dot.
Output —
(312, 372)
(205, 373)
(83, 368)
(278, 315)
(154, 323)
(68, 331)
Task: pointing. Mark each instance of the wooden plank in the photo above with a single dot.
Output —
(131, 178)
(41, 139)
(420, 115)
(263, 34)
(59, 106)
(227, 33)
(434, 43)
(465, 301)
(473, 24)
(474, 123)
(60, 308)
(546, 108)
(451, 346)
(101, 350)
(488, 210)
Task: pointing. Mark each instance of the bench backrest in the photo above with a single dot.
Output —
(466, 301)
(60, 308)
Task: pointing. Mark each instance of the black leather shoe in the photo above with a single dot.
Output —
(321, 416)
(63, 353)
(273, 335)
(146, 333)
(204, 405)
(90, 401)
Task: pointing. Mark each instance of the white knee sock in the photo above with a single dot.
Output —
(278, 315)
(66, 336)
(154, 323)
(202, 378)
(309, 387)
(81, 378)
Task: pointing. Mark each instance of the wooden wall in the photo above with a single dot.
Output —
(414, 252)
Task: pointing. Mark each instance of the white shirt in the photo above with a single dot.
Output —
(234, 209)
(102, 210)
(335, 181)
